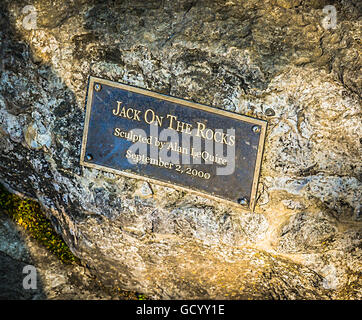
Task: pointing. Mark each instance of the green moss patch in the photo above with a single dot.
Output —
(28, 214)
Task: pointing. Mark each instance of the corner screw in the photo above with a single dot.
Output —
(243, 201)
(269, 112)
(89, 157)
(97, 87)
(256, 129)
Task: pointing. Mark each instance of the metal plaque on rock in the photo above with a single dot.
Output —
(172, 142)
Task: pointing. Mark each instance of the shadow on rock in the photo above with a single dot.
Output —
(18, 281)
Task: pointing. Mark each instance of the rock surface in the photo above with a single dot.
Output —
(53, 280)
(269, 59)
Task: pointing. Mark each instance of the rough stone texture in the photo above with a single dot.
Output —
(54, 280)
(269, 59)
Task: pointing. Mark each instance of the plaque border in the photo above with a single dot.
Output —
(262, 123)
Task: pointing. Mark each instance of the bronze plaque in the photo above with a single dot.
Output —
(173, 142)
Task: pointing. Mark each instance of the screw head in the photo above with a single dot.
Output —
(97, 87)
(256, 129)
(243, 201)
(89, 157)
(269, 112)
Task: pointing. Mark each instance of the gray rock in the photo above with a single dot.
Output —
(303, 241)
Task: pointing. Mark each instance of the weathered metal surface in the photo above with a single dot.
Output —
(169, 153)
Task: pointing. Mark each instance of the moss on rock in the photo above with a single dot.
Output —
(28, 214)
